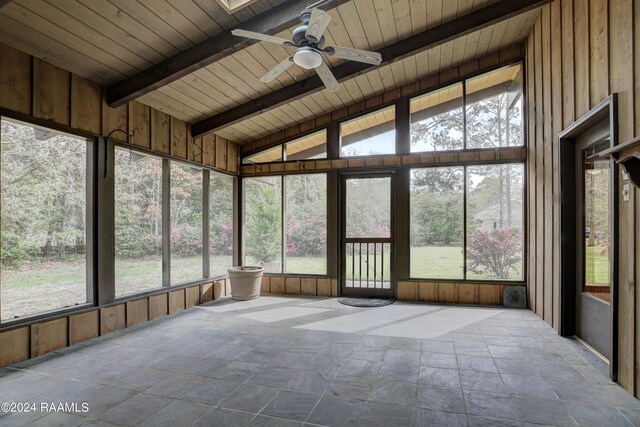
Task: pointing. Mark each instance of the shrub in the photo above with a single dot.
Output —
(496, 253)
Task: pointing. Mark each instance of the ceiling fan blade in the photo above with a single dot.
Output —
(277, 70)
(318, 23)
(352, 54)
(327, 78)
(260, 36)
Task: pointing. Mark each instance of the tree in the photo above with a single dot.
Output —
(43, 194)
(441, 132)
(306, 215)
(186, 210)
(138, 206)
(596, 182)
(495, 253)
(262, 220)
(437, 207)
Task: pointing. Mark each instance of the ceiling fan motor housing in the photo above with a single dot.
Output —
(299, 38)
(298, 35)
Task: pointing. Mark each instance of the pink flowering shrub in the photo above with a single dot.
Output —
(495, 253)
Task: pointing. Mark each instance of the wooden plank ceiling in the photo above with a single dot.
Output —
(106, 41)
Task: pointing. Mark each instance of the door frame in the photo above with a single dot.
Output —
(344, 176)
(605, 110)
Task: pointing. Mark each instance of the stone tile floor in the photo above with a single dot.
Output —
(287, 361)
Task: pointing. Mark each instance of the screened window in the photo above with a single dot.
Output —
(437, 222)
(495, 236)
(492, 230)
(186, 223)
(263, 222)
(43, 219)
(368, 208)
(437, 121)
(312, 146)
(138, 222)
(494, 111)
(271, 155)
(220, 223)
(306, 223)
(371, 134)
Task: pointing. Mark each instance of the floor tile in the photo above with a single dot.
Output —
(263, 420)
(99, 398)
(394, 392)
(355, 367)
(394, 371)
(472, 349)
(174, 385)
(59, 419)
(476, 363)
(347, 387)
(523, 386)
(205, 367)
(249, 398)
(210, 391)
(489, 404)
(478, 421)
(404, 344)
(431, 417)
(372, 354)
(549, 412)
(217, 417)
(313, 382)
(597, 415)
(434, 346)
(382, 415)
(176, 413)
(403, 357)
(504, 368)
(237, 371)
(134, 410)
(439, 360)
(336, 412)
(439, 377)
(632, 414)
(291, 405)
(440, 398)
(272, 377)
(482, 381)
(175, 362)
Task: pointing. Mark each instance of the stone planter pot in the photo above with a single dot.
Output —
(245, 282)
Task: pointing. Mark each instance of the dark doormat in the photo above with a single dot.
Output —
(366, 302)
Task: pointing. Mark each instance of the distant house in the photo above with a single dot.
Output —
(489, 218)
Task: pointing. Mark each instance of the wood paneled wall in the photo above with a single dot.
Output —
(580, 52)
(450, 292)
(31, 87)
(302, 285)
(408, 290)
(33, 340)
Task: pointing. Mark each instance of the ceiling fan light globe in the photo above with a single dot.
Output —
(307, 58)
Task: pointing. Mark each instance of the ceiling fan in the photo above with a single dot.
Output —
(309, 41)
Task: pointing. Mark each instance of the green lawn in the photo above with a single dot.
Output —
(41, 287)
(436, 262)
(47, 286)
(597, 263)
(446, 262)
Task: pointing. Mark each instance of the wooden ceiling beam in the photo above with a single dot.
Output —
(428, 39)
(213, 49)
